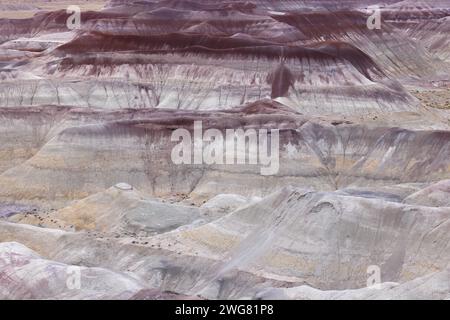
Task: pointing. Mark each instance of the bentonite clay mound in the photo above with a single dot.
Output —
(351, 202)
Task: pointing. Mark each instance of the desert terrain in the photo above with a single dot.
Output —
(93, 205)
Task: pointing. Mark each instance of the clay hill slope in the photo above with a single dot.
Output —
(291, 238)
(85, 159)
(119, 210)
(216, 55)
(361, 175)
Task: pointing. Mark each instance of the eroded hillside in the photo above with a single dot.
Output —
(357, 118)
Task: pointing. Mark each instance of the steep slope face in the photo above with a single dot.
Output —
(221, 87)
(387, 46)
(264, 4)
(120, 210)
(152, 264)
(26, 129)
(425, 21)
(325, 240)
(435, 286)
(361, 166)
(436, 195)
(24, 132)
(26, 275)
(90, 158)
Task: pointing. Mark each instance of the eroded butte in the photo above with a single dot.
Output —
(88, 185)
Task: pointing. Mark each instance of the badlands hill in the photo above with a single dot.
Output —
(88, 182)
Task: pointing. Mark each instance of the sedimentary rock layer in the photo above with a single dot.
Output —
(344, 182)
